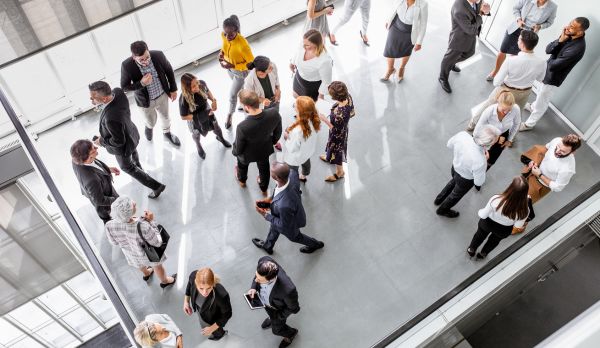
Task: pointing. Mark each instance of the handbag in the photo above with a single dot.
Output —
(154, 253)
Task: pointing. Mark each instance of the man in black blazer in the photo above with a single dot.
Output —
(286, 213)
(254, 139)
(150, 75)
(119, 135)
(94, 176)
(278, 293)
(466, 25)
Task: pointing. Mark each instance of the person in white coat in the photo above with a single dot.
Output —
(264, 81)
(406, 24)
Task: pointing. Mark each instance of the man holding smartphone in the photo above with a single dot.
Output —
(565, 52)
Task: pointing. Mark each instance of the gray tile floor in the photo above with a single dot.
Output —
(387, 255)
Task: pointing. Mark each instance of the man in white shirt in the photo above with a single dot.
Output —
(468, 167)
(516, 75)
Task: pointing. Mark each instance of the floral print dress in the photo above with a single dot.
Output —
(337, 143)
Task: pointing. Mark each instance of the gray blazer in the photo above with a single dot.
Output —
(466, 25)
(167, 323)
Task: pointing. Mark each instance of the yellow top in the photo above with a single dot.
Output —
(237, 52)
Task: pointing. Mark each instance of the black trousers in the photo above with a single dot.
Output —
(454, 190)
(263, 172)
(496, 150)
(452, 57)
(131, 165)
(495, 231)
(305, 167)
(279, 325)
(296, 237)
(104, 214)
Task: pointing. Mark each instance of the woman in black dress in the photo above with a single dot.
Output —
(194, 108)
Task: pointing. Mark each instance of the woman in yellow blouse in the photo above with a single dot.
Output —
(234, 56)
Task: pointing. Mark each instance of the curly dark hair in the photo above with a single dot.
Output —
(338, 91)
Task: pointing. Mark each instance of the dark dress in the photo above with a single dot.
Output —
(203, 119)
(337, 143)
(398, 42)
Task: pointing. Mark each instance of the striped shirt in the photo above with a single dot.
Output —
(125, 235)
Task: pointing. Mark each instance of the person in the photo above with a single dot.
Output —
(194, 108)
(312, 67)
(234, 56)
(549, 168)
(254, 139)
(500, 214)
(350, 7)
(301, 137)
(530, 15)
(565, 52)
(122, 231)
(150, 75)
(285, 213)
(158, 331)
(468, 167)
(264, 81)
(505, 116)
(466, 25)
(406, 27)
(316, 18)
(118, 135)
(279, 295)
(336, 148)
(517, 75)
(205, 294)
(94, 177)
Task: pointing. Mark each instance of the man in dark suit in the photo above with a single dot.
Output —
(119, 135)
(466, 25)
(278, 293)
(150, 75)
(254, 139)
(286, 213)
(94, 176)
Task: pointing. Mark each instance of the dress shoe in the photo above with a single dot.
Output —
(261, 245)
(172, 138)
(455, 68)
(266, 323)
(447, 213)
(471, 252)
(217, 336)
(489, 78)
(224, 142)
(148, 133)
(286, 341)
(154, 194)
(308, 250)
(445, 85)
(228, 121)
(438, 201)
(481, 256)
(201, 153)
(241, 183)
(164, 285)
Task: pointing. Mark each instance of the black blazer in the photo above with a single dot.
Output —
(563, 57)
(216, 307)
(131, 77)
(256, 135)
(118, 134)
(466, 25)
(97, 186)
(287, 213)
(283, 300)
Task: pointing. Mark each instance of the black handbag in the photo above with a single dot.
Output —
(154, 253)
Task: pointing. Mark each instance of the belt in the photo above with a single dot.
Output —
(515, 88)
(160, 95)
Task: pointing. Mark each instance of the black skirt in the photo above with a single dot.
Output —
(510, 43)
(306, 88)
(398, 42)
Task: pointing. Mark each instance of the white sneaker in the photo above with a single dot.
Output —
(523, 127)
(528, 107)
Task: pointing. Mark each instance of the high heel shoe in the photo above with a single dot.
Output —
(164, 285)
(387, 75)
(366, 42)
(471, 252)
(400, 74)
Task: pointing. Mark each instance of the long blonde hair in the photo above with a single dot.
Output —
(206, 276)
(307, 112)
(186, 90)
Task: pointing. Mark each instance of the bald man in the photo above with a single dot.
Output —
(285, 213)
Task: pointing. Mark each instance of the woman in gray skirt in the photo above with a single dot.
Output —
(316, 14)
(406, 24)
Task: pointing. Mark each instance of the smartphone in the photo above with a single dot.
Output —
(254, 303)
(94, 138)
(330, 5)
(264, 205)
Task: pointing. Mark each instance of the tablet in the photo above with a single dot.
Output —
(254, 303)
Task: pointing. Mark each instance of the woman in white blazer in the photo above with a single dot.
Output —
(264, 81)
(406, 24)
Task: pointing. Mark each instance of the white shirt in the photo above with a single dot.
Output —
(95, 165)
(491, 211)
(558, 170)
(265, 291)
(521, 70)
(296, 149)
(315, 69)
(509, 123)
(469, 158)
(169, 341)
(280, 189)
(405, 13)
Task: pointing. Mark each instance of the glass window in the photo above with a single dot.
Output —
(30, 316)
(81, 321)
(237, 7)
(58, 300)
(199, 17)
(9, 332)
(57, 335)
(84, 285)
(117, 35)
(103, 309)
(163, 36)
(26, 342)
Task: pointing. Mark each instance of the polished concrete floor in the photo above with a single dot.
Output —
(387, 255)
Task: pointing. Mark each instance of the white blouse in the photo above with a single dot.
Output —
(558, 170)
(509, 123)
(491, 211)
(405, 13)
(296, 149)
(315, 69)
